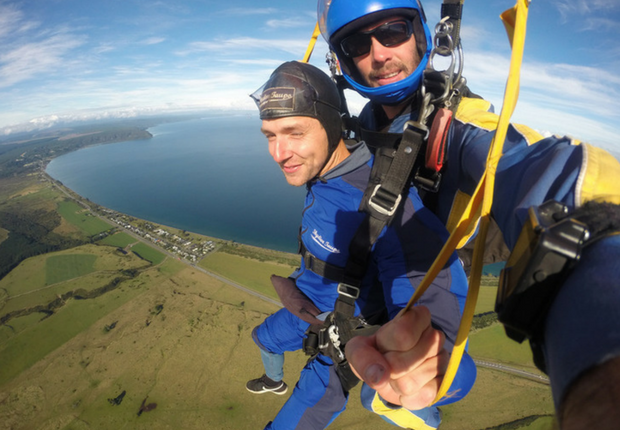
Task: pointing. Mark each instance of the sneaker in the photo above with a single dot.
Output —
(264, 384)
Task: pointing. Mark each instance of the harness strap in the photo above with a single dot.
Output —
(454, 10)
(377, 139)
(390, 179)
(428, 175)
(320, 267)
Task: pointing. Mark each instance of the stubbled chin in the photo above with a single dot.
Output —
(294, 180)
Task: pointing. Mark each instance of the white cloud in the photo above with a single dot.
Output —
(36, 58)
(104, 47)
(152, 40)
(581, 9)
(239, 11)
(601, 24)
(556, 121)
(286, 23)
(11, 20)
(245, 43)
(594, 95)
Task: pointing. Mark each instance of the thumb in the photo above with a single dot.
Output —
(367, 362)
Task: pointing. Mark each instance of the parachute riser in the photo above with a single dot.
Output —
(351, 127)
(444, 46)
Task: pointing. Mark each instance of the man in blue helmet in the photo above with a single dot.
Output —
(578, 341)
(300, 111)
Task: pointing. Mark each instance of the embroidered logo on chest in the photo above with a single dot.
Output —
(323, 244)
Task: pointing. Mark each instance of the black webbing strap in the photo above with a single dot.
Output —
(380, 203)
(376, 139)
(389, 181)
(381, 200)
(320, 267)
(454, 10)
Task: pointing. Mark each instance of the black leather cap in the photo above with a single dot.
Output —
(301, 89)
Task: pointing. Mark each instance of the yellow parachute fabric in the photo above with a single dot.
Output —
(516, 19)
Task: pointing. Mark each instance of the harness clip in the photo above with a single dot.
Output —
(386, 203)
(334, 337)
(348, 290)
(430, 183)
(418, 126)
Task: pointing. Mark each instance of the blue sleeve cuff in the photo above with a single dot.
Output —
(463, 381)
(582, 328)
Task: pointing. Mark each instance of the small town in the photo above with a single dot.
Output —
(170, 242)
(182, 248)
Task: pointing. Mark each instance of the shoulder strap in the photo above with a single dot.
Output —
(390, 180)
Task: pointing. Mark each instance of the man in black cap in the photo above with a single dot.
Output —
(300, 109)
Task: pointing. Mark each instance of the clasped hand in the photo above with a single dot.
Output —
(404, 361)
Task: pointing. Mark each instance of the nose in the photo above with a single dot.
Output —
(279, 149)
(378, 52)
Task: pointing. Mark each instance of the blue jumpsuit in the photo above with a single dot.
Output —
(330, 219)
(582, 329)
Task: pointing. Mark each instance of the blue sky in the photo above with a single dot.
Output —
(65, 60)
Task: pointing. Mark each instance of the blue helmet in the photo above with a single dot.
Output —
(340, 18)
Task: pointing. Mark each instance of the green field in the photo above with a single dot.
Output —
(148, 253)
(81, 218)
(168, 334)
(39, 280)
(24, 340)
(248, 272)
(119, 239)
(492, 344)
(486, 299)
(59, 268)
(38, 337)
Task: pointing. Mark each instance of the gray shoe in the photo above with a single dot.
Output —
(264, 384)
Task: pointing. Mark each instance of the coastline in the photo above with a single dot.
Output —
(195, 176)
(137, 226)
(24, 162)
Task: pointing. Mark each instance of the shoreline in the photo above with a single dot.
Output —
(189, 211)
(106, 213)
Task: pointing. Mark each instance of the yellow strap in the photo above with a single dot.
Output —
(310, 48)
(401, 417)
(483, 197)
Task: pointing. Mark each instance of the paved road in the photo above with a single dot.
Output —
(508, 369)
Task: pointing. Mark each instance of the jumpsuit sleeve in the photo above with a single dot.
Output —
(532, 169)
(582, 327)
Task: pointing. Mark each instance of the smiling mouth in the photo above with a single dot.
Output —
(389, 75)
(291, 168)
(380, 78)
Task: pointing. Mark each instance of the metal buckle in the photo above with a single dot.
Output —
(348, 290)
(429, 184)
(382, 210)
(323, 339)
(418, 126)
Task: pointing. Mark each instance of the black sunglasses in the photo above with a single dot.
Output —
(389, 34)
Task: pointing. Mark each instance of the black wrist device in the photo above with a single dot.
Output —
(548, 246)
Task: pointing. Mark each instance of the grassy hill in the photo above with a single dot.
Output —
(105, 331)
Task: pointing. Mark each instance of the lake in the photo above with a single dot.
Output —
(212, 176)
